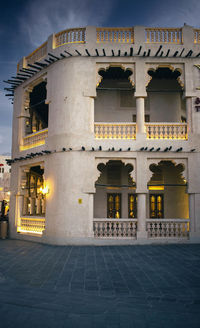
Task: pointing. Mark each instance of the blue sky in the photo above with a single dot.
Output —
(25, 24)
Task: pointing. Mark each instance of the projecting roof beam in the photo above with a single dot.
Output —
(34, 66)
(97, 52)
(181, 52)
(78, 52)
(68, 53)
(57, 58)
(113, 54)
(30, 71)
(125, 54)
(175, 54)
(148, 53)
(41, 64)
(119, 53)
(168, 51)
(14, 81)
(140, 48)
(63, 56)
(144, 54)
(19, 78)
(104, 53)
(9, 95)
(189, 54)
(131, 52)
(25, 75)
(161, 54)
(87, 52)
(48, 61)
(157, 52)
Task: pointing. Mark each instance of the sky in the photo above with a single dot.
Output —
(26, 24)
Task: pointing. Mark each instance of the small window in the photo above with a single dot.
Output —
(132, 206)
(114, 206)
(156, 206)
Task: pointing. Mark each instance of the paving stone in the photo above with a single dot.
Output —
(109, 286)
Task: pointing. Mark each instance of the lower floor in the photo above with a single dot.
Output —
(112, 199)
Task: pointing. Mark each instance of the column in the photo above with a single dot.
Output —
(189, 114)
(140, 115)
(141, 216)
(32, 206)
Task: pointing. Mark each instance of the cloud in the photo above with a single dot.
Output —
(42, 18)
(175, 13)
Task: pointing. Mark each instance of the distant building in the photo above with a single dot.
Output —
(4, 179)
(106, 137)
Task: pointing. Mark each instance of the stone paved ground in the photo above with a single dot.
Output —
(113, 286)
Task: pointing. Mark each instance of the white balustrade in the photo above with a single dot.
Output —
(75, 35)
(197, 36)
(34, 139)
(31, 225)
(167, 228)
(166, 131)
(117, 228)
(163, 35)
(116, 35)
(115, 130)
(37, 54)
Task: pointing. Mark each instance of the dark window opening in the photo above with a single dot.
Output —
(156, 206)
(132, 206)
(38, 109)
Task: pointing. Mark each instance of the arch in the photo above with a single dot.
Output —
(105, 67)
(174, 68)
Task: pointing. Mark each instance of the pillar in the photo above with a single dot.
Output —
(141, 216)
(189, 114)
(140, 115)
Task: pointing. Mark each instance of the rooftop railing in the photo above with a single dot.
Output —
(166, 130)
(115, 130)
(75, 35)
(163, 35)
(34, 139)
(37, 54)
(116, 35)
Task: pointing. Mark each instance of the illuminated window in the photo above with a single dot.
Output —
(156, 206)
(114, 206)
(132, 206)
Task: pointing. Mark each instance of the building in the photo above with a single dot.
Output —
(4, 180)
(105, 142)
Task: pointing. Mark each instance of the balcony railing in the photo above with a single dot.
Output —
(163, 35)
(168, 228)
(115, 130)
(75, 35)
(115, 34)
(37, 54)
(117, 228)
(34, 139)
(31, 225)
(166, 131)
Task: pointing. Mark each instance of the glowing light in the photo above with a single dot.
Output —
(44, 190)
(156, 187)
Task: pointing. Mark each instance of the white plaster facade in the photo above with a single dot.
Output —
(79, 110)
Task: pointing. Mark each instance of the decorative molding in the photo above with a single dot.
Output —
(175, 161)
(172, 67)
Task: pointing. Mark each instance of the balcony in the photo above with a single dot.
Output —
(175, 131)
(115, 130)
(168, 228)
(32, 225)
(108, 228)
(34, 139)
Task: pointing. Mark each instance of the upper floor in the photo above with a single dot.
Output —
(111, 84)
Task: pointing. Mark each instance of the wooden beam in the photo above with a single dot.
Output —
(34, 66)
(113, 54)
(104, 53)
(157, 52)
(168, 51)
(48, 61)
(181, 52)
(140, 48)
(175, 54)
(68, 53)
(87, 52)
(63, 56)
(97, 52)
(119, 53)
(148, 53)
(78, 52)
(189, 54)
(131, 52)
(57, 58)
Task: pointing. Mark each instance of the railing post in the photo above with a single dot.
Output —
(90, 35)
(188, 36)
(51, 43)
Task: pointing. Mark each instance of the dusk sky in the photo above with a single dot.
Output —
(26, 24)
